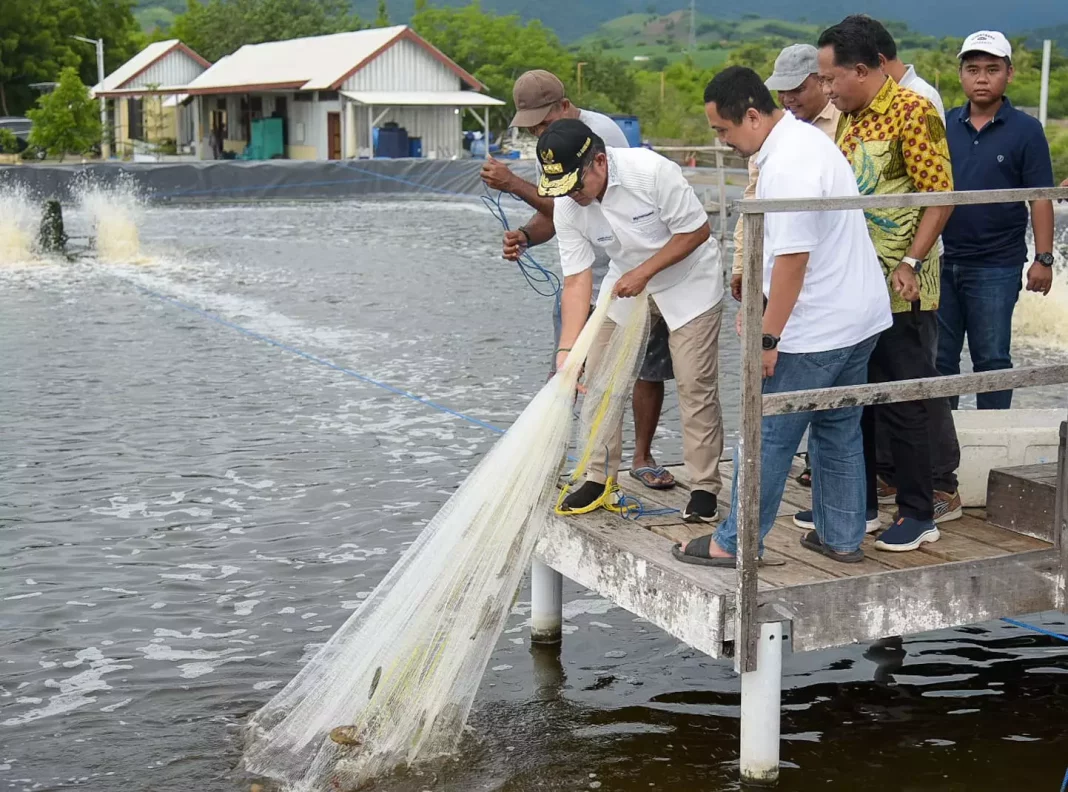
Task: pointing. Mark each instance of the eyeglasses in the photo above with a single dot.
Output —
(581, 174)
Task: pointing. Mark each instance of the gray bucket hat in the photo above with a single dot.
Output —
(792, 67)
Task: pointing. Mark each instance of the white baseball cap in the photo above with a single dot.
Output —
(989, 41)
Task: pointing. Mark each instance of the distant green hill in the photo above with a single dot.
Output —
(1058, 34)
(661, 39)
(574, 19)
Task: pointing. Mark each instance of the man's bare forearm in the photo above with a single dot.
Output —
(932, 222)
(528, 193)
(1042, 225)
(540, 229)
(575, 306)
(677, 248)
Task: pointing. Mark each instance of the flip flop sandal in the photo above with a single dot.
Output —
(805, 477)
(654, 473)
(696, 553)
(702, 543)
(811, 541)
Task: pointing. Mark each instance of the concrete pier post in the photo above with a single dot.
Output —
(761, 696)
(546, 603)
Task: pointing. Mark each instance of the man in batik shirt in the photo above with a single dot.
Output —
(896, 142)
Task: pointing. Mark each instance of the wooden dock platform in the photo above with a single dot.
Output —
(976, 572)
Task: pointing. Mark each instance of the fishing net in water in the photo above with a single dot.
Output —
(395, 684)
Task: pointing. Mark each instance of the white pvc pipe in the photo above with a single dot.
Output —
(1043, 101)
(761, 697)
(546, 603)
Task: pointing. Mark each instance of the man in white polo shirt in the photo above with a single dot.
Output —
(638, 208)
(826, 305)
(540, 99)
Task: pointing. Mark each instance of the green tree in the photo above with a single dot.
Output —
(36, 43)
(9, 144)
(66, 120)
(495, 49)
(32, 49)
(217, 28)
(382, 19)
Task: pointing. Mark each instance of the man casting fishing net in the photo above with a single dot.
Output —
(636, 206)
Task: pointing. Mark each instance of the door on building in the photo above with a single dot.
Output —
(333, 135)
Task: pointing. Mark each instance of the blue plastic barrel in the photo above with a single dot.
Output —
(631, 127)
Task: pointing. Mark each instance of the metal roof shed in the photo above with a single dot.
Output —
(316, 81)
(384, 102)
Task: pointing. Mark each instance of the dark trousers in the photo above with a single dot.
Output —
(945, 457)
(978, 302)
(915, 429)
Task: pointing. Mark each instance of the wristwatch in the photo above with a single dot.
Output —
(769, 341)
(915, 263)
(1045, 259)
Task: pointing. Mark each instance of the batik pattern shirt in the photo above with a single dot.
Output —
(896, 145)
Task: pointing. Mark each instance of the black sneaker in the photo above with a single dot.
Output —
(701, 508)
(584, 499)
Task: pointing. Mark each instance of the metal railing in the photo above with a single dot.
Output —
(755, 405)
(722, 204)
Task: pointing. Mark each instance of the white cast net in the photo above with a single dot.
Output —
(395, 684)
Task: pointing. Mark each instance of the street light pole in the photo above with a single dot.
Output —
(105, 149)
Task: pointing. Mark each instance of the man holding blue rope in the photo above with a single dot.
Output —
(540, 99)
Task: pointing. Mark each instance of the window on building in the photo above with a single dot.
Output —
(327, 96)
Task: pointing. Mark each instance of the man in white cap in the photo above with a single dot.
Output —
(994, 146)
(798, 87)
(540, 99)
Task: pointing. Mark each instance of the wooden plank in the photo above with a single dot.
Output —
(1006, 540)
(635, 569)
(748, 495)
(785, 538)
(903, 602)
(913, 389)
(1020, 499)
(961, 198)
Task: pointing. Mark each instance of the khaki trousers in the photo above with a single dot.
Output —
(695, 357)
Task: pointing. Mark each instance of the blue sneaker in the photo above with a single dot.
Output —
(907, 534)
(804, 519)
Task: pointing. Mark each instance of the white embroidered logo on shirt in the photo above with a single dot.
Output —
(1001, 157)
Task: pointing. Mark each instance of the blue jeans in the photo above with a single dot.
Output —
(835, 450)
(978, 301)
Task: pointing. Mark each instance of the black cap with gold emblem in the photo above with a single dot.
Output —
(563, 150)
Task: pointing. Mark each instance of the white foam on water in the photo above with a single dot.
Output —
(115, 213)
(18, 219)
(74, 692)
(1042, 321)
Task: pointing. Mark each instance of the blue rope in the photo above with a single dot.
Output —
(1064, 783)
(535, 274)
(1040, 631)
(321, 361)
(632, 508)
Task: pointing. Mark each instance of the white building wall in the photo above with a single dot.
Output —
(174, 68)
(439, 128)
(308, 126)
(405, 66)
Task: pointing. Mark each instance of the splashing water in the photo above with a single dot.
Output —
(114, 213)
(18, 218)
(1042, 321)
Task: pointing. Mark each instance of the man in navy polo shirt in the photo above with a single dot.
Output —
(993, 146)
